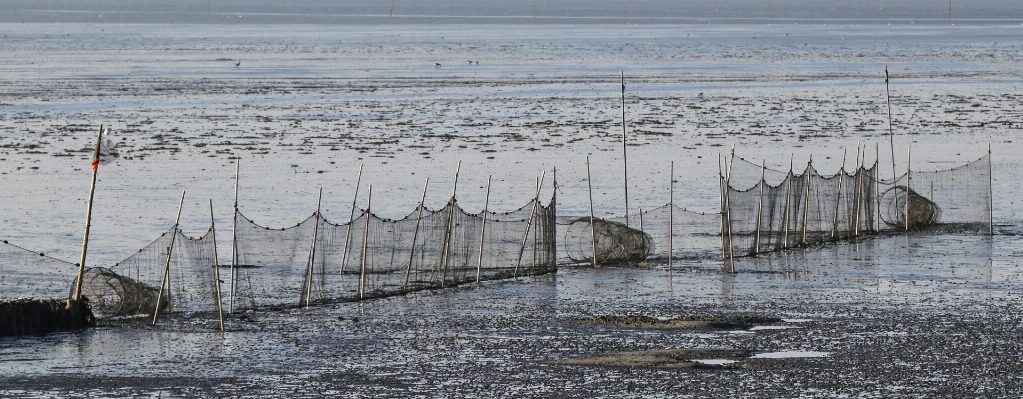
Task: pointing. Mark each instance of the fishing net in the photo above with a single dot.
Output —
(319, 261)
(660, 232)
(130, 288)
(30, 274)
(776, 210)
(610, 242)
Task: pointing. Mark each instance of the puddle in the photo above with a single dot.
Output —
(789, 354)
(797, 320)
(772, 328)
(715, 361)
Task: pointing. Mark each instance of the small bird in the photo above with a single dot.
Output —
(238, 63)
(436, 64)
(470, 62)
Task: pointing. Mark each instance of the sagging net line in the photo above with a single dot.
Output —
(808, 208)
(375, 257)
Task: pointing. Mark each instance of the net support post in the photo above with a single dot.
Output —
(351, 219)
(365, 244)
(483, 231)
(216, 267)
(166, 269)
(593, 229)
(760, 205)
(529, 223)
(415, 236)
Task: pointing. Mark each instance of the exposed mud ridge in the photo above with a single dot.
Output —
(664, 358)
(738, 322)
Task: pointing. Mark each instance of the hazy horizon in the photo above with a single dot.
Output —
(511, 11)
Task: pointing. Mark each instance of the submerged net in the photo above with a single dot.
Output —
(375, 257)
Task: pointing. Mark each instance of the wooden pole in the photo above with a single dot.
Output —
(449, 227)
(891, 135)
(625, 160)
(166, 268)
(877, 183)
(760, 205)
(88, 216)
(671, 215)
(365, 245)
(593, 228)
(351, 219)
(529, 223)
(483, 231)
(909, 153)
(415, 235)
(216, 267)
(728, 206)
(312, 252)
(838, 199)
(788, 190)
(234, 234)
(990, 194)
(721, 204)
(806, 200)
(858, 197)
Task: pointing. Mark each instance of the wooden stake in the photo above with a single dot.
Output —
(760, 205)
(909, 153)
(415, 235)
(990, 194)
(806, 200)
(671, 215)
(365, 245)
(857, 195)
(483, 231)
(216, 267)
(529, 223)
(312, 253)
(449, 228)
(728, 206)
(593, 229)
(88, 216)
(234, 234)
(838, 199)
(625, 161)
(891, 135)
(877, 183)
(166, 268)
(788, 190)
(351, 219)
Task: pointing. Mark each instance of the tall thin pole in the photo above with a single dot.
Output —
(806, 200)
(312, 252)
(858, 194)
(625, 161)
(990, 194)
(234, 234)
(529, 223)
(671, 214)
(216, 267)
(877, 183)
(390, 14)
(724, 214)
(351, 219)
(365, 245)
(891, 135)
(415, 235)
(909, 153)
(88, 215)
(838, 199)
(449, 227)
(788, 191)
(593, 229)
(728, 210)
(483, 231)
(760, 205)
(166, 269)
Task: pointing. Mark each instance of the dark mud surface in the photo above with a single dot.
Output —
(868, 332)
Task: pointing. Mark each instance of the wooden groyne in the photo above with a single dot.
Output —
(41, 316)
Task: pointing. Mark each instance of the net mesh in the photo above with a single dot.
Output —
(30, 274)
(783, 209)
(375, 257)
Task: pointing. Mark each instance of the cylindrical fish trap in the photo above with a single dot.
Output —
(613, 242)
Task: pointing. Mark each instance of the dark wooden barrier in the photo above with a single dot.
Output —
(41, 316)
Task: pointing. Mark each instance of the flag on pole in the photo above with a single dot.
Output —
(107, 150)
